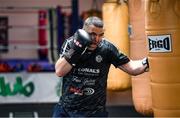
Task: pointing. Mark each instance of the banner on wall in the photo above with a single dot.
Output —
(29, 88)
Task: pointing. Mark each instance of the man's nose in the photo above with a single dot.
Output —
(94, 38)
(97, 37)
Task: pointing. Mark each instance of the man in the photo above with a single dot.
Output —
(84, 65)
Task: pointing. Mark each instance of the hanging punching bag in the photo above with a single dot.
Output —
(93, 11)
(162, 23)
(115, 17)
(141, 91)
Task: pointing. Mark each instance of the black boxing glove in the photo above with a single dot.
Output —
(145, 62)
(81, 40)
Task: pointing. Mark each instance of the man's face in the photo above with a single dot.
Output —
(96, 35)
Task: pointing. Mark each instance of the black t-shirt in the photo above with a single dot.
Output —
(84, 87)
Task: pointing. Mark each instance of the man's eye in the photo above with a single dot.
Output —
(102, 34)
(92, 34)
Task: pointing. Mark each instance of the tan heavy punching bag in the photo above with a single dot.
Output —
(162, 23)
(92, 12)
(141, 91)
(115, 17)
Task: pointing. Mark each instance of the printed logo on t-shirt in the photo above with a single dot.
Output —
(88, 91)
(76, 90)
(99, 58)
(89, 82)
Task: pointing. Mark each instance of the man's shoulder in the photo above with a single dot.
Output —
(107, 43)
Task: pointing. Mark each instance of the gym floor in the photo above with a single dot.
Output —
(45, 110)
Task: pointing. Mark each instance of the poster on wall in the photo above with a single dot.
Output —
(29, 88)
(3, 34)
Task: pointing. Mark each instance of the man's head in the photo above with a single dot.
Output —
(94, 26)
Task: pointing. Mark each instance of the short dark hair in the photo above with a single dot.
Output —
(93, 20)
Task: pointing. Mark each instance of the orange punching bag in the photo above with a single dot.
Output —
(92, 12)
(162, 24)
(115, 17)
(141, 91)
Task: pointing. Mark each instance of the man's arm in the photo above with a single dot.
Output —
(135, 67)
(62, 67)
(69, 58)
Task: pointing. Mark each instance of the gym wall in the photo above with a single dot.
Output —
(25, 22)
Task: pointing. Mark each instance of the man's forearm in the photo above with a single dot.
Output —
(140, 66)
(134, 67)
(62, 67)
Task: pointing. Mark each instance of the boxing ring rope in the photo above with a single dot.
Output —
(25, 26)
(49, 28)
(52, 32)
(26, 47)
(27, 8)
(13, 9)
